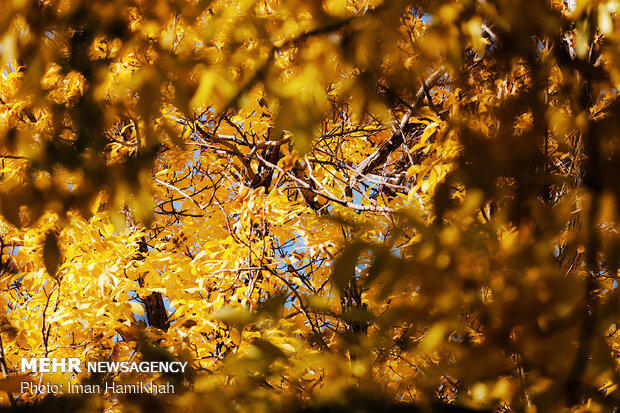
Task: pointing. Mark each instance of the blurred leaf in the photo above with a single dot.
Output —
(233, 316)
(51, 253)
(12, 384)
(344, 267)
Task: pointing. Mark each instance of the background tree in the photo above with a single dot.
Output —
(320, 205)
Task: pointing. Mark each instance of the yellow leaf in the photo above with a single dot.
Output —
(433, 338)
(428, 132)
(136, 308)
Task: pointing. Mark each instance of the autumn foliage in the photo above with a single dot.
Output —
(337, 205)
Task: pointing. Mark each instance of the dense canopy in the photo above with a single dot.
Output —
(337, 205)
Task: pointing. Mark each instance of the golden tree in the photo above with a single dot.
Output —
(318, 205)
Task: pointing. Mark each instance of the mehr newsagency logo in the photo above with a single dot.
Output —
(74, 365)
